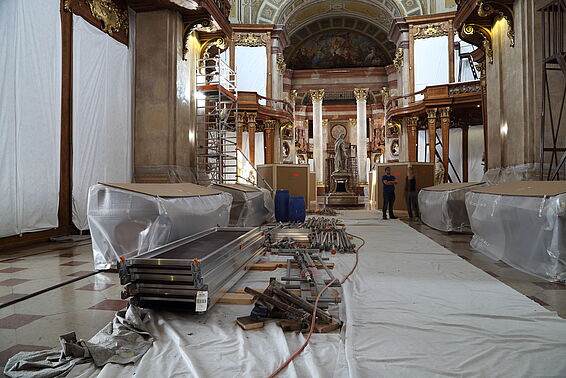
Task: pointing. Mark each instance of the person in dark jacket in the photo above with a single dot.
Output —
(411, 195)
(389, 183)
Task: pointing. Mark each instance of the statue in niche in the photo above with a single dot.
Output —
(340, 154)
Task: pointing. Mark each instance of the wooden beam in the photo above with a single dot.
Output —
(445, 127)
(431, 118)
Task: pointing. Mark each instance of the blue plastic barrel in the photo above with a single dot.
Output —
(282, 206)
(297, 211)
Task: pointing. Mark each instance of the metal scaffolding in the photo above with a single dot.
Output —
(216, 122)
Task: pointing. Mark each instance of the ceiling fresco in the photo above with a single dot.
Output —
(338, 49)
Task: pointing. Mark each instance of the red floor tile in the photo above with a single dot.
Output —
(17, 320)
(109, 305)
(79, 273)
(551, 285)
(96, 286)
(11, 261)
(540, 302)
(11, 297)
(12, 282)
(74, 263)
(12, 270)
(6, 354)
(68, 254)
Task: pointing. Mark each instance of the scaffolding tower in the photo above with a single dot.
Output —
(217, 112)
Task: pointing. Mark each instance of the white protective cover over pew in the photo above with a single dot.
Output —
(129, 219)
(444, 207)
(251, 206)
(523, 224)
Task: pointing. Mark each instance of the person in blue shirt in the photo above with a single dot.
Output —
(389, 183)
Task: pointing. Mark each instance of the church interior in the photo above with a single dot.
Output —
(322, 188)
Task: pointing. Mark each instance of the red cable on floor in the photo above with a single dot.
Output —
(286, 363)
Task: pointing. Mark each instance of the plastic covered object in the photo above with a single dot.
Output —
(443, 207)
(521, 172)
(126, 223)
(251, 206)
(527, 233)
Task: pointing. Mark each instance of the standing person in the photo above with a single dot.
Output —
(389, 183)
(411, 193)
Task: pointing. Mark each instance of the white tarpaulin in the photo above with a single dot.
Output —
(101, 113)
(412, 309)
(30, 115)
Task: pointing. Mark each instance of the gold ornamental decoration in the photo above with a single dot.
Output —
(488, 9)
(481, 32)
(324, 123)
(250, 40)
(317, 95)
(281, 65)
(113, 18)
(385, 94)
(398, 60)
(430, 31)
(361, 94)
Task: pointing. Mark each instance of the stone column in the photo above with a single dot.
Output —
(412, 131)
(361, 140)
(431, 117)
(317, 95)
(251, 136)
(240, 130)
(445, 126)
(269, 140)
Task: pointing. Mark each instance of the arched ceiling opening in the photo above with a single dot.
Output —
(339, 42)
(361, 24)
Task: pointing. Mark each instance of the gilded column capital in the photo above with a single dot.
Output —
(251, 118)
(293, 96)
(445, 112)
(240, 118)
(385, 94)
(352, 122)
(413, 121)
(431, 113)
(269, 124)
(361, 94)
(317, 95)
(324, 123)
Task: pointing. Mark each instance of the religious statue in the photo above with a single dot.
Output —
(340, 154)
(438, 173)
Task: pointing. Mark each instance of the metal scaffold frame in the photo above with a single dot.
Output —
(217, 112)
(552, 117)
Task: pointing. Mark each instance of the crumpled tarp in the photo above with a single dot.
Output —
(412, 309)
(249, 209)
(125, 340)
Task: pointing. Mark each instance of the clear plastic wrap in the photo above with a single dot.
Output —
(528, 233)
(445, 209)
(126, 223)
(251, 206)
(522, 172)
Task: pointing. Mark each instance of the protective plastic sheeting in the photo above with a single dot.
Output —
(521, 172)
(444, 206)
(412, 309)
(528, 233)
(102, 140)
(251, 206)
(126, 223)
(30, 115)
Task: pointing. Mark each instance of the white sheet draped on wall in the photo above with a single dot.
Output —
(431, 62)
(259, 148)
(251, 69)
(475, 151)
(102, 136)
(30, 115)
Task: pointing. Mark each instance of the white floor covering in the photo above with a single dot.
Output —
(412, 309)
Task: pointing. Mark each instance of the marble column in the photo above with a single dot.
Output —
(317, 95)
(361, 95)
(251, 136)
(445, 127)
(431, 118)
(269, 141)
(412, 128)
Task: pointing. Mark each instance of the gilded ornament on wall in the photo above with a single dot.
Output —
(361, 94)
(250, 39)
(430, 31)
(281, 65)
(113, 18)
(398, 60)
(487, 9)
(317, 95)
